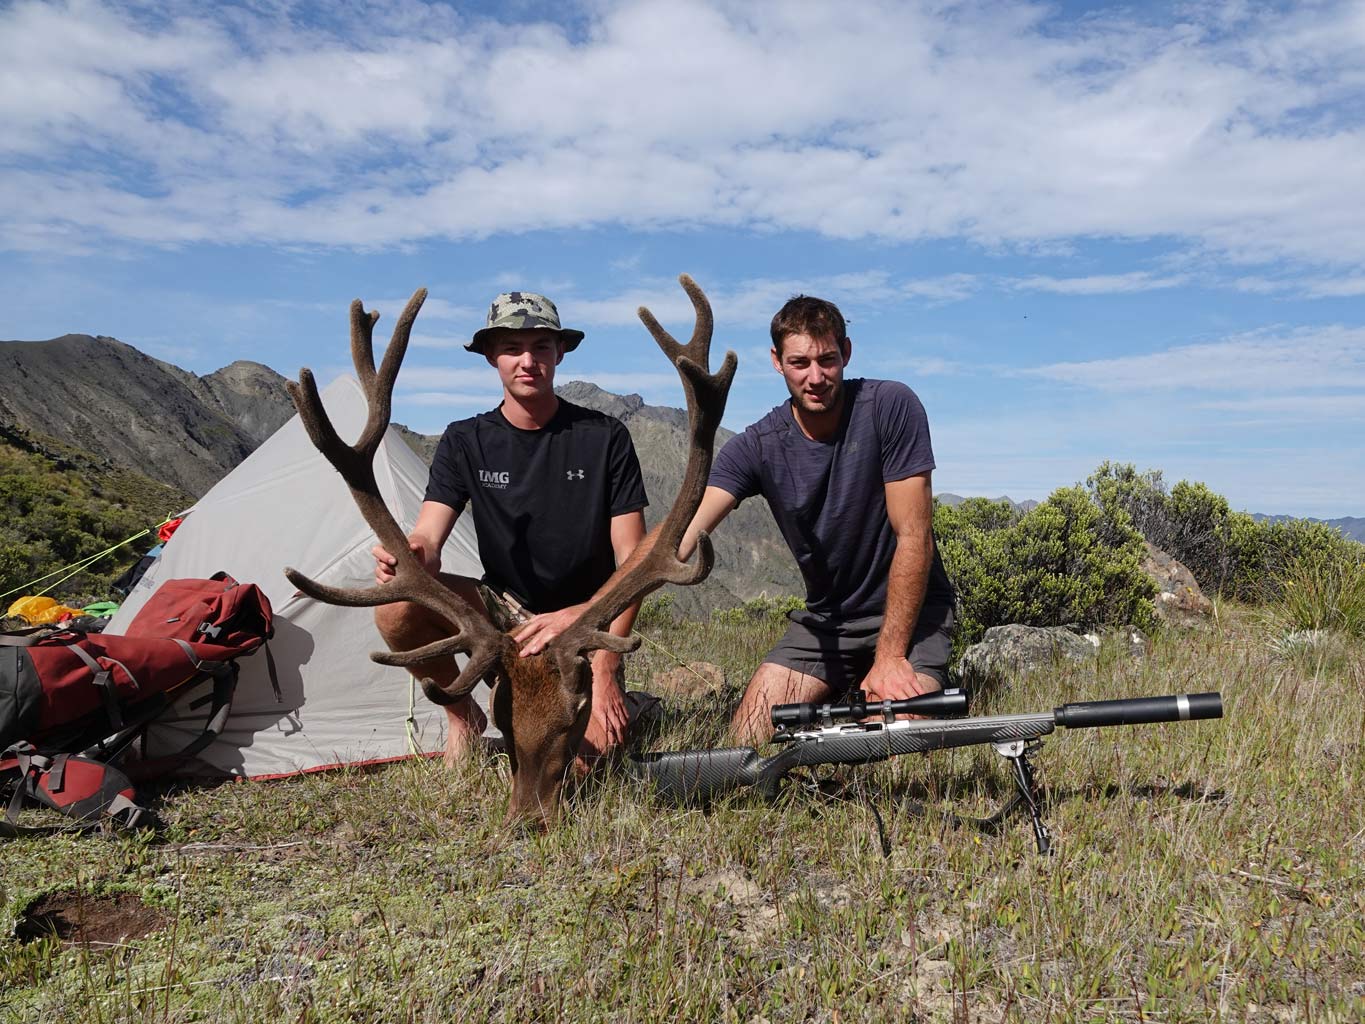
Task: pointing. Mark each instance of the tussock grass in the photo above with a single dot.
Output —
(1320, 594)
(1203, 871)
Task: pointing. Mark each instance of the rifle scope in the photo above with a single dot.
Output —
(940, 704)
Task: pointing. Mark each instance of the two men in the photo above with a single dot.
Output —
(845, 466)
(557, 502)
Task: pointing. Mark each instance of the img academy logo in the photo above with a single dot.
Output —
(494, 479)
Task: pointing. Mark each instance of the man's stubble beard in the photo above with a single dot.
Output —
(835, 399)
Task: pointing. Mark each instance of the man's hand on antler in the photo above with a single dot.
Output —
(385, 564)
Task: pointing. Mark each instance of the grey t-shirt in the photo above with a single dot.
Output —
(829, 497)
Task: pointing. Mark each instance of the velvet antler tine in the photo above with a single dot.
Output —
(316, 422)
(398, 343)
(701, 333)
(381, 388)
(346, 597)
(655, 559)
(699, 345)
(362, 343)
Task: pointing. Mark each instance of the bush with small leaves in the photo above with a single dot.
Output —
(1066, 560)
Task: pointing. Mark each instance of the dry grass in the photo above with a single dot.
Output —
(1205, 871)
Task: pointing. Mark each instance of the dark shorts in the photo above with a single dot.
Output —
(840, 653)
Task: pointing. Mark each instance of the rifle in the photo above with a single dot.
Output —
(845, 734)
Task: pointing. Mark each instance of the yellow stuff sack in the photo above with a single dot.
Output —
(38, 611)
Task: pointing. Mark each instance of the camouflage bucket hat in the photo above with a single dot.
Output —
(520, 310)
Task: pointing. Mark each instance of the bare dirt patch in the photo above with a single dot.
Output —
(82, 919)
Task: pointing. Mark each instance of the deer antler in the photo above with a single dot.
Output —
(655, 561)
(474, 635)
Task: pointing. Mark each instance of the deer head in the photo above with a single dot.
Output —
(541, 703)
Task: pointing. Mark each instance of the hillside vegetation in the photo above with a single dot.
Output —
(59, 505)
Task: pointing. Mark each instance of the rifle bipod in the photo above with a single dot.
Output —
(1017, 752)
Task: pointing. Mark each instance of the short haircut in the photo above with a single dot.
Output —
(805, 314)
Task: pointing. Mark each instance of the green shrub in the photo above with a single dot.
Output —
(1228, 552)
(757, 609)
(656, 611)
(1067, 560)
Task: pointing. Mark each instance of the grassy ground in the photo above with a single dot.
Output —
(1202, 871)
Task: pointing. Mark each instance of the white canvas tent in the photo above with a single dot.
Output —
(285, 505)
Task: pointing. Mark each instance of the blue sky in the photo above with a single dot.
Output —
(1080, 232)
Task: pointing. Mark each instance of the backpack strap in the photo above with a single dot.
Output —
(31, 635)
(86, 790)
(104, 679)
(274, 677)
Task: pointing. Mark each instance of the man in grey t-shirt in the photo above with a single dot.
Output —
(845, 466)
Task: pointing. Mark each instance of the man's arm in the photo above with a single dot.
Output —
(716, 504)
(428, 536)
(607, 726)
(539, 630)
(910, 509)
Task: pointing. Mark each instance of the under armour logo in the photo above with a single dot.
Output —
(579, 475)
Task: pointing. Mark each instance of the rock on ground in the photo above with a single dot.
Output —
(1179, 601)
(694, 680)
(1012, 649)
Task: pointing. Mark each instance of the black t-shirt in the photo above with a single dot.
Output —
(543, 499)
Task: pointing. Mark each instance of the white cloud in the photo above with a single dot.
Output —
(753, 301)
(1002, 123)
(926, 366)
(1330, 408)
(454, 399)
(1099, 284)
(1310, 288)
(432, 309)
(948, 288)
(1337, 288)
(1308, 359)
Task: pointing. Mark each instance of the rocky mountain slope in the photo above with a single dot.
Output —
(105, 397)
(129, 410)
(1350, 526)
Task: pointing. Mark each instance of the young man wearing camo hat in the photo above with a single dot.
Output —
(557, 499)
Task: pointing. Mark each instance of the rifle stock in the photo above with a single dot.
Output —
(688, 776)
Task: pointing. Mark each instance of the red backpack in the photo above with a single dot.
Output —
(71, 704)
